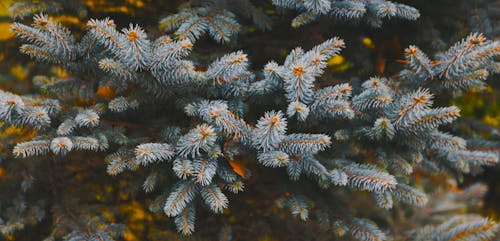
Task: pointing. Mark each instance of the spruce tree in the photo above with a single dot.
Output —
(202, 135)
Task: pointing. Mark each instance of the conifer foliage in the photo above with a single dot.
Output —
(372, 11)
(343, 137)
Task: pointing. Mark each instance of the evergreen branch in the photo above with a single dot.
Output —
(182, 194)
(31, 148)
(214, 198)
(368, 178)
(153, 152)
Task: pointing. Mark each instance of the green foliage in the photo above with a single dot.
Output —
(199, 131)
